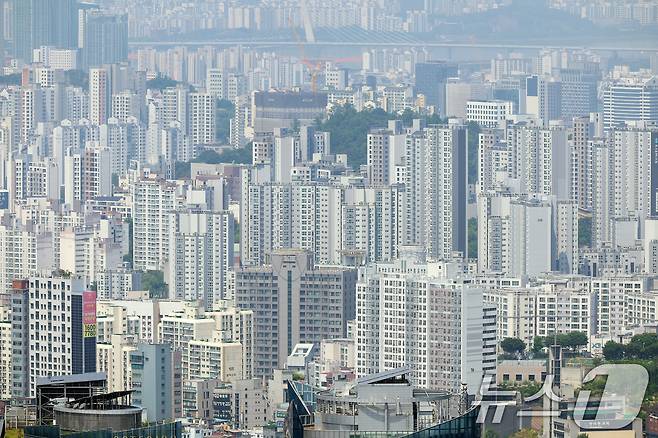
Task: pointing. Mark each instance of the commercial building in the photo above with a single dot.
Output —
(489, 113)
(630, 99)
(280, 109)
(157, 381)
(38, 23)
(431, 79)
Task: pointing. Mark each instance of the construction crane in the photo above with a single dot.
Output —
(315, 68)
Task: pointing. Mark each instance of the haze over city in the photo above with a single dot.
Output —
(337, 218)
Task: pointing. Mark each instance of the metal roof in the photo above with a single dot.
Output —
(98, 399)
(385, 375)
(73, 378)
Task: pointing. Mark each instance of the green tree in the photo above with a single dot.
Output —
(613, 351)
(643, 347)
(538, 344)
(595, 386)
(573, 341)
(224, 112)
(153, 281)
(525, 433)
(512, 345)
(349, 129)
(585, 232)
(488, 433)
(473, 146)
(473, 238)
(160, 83)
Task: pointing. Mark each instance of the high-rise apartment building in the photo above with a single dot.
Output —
(104, 38)
(291, 216)
(38, 23)
(113, 358)
(87, 173)
(200, 255)
(543, 98)
(202, 118)
(293, 301)
(514, 235)
(436, 190)
(114, 138)
(153, 202)
(625, 180)
(55, 330)
(431, 79)
(100, 95)
(409, 314)
(175, 107)
(581, 145)
(19, 251)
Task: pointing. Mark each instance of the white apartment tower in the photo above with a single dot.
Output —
(100, 96)
(200, 255)
(305, 216)
(114, 137)
(153, 202)
(409, 315)
(202, 118)
(52, 337)
(436, 190)
(514, 235)
(625, 180)
(87, 173)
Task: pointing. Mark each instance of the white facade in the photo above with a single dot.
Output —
(202, 118)
(113, 358)
(515, 235)
(435, 187)
(208, 359)
(409, 316)
(100, 104)
(200, 255)
(630, 99)
(153, 203)
(488, 113)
